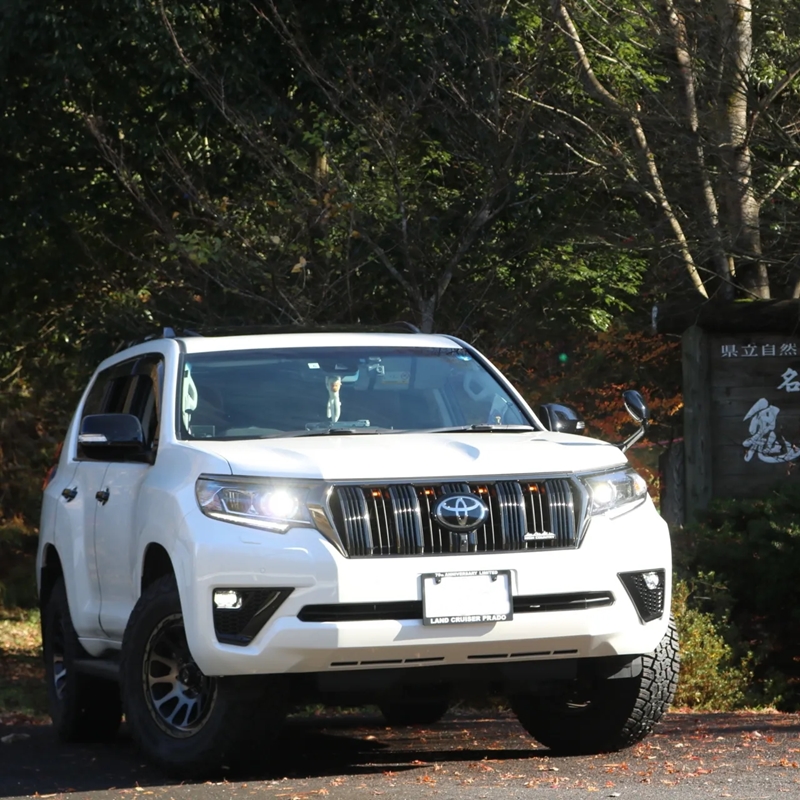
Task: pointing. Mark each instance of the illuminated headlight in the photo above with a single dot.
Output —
(258, 504)
(611, 491)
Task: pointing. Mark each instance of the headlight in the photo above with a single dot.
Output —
(264, 504)
(611, 491)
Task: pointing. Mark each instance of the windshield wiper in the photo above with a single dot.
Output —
(484, 427)
(355, 431)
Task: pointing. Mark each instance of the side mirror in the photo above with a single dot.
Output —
(111, 437)
(636, 406)
(561, 418)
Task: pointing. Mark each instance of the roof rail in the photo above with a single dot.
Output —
(170, 333)
(404, 326)
(244, 330)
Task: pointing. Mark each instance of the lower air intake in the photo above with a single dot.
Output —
(240, 625)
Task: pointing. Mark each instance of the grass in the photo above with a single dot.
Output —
(22, 688)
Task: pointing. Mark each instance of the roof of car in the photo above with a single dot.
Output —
(215, 344)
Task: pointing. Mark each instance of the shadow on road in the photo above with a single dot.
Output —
(36, 762)
(727, 750)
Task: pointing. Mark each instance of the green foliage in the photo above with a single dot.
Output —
(711, 677)
(17, 576)
(632, 86)
(747, 554)
(753, 546)
(23, 698)
(294, 162)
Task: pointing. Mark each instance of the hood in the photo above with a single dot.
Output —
(416, 456)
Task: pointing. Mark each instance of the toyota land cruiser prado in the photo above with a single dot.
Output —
(239, 524)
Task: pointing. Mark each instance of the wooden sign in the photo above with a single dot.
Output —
(742, 404)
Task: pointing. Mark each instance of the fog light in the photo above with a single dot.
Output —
(648, 592)
(652, 580)
(227, 598)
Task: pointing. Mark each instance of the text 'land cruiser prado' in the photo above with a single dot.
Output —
(240, 524)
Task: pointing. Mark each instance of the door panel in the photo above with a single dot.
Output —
(115, 543)
(74, 538)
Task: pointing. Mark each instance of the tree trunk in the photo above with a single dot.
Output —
(743, 208)
(427, 308)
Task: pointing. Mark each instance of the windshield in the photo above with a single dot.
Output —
(292, 392)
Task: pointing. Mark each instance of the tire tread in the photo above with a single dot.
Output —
(609, 727)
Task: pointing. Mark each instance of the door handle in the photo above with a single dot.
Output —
(102, 496)
(69, 494)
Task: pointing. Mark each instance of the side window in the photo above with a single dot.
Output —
(109, 391)
(132, 387)
(144, 396)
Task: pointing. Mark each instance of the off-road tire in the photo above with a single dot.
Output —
(189, 724)
(83, 708)
(424, 712)
(613, 714)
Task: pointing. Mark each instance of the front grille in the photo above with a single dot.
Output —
(395, 519)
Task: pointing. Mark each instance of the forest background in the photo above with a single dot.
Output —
(533, 177)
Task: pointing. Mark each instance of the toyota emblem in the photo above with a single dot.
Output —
(460, 512)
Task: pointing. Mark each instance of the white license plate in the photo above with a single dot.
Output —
(453, 598)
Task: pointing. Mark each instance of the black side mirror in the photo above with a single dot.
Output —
(636, 406)
(111, 437)
(561, 418)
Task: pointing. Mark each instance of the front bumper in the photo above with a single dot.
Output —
(220, 555)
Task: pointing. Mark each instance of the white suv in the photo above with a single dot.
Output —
(239, 524)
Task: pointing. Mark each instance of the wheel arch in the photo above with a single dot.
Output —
(49, 573)
(156, 563)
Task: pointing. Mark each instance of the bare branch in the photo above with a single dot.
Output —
(784, 175)
(596, 89)
(791, 73)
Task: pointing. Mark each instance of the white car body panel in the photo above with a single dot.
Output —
(303, 559)
(161, 509)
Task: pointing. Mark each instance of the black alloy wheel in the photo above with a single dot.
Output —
(179, 696)
(188, 723)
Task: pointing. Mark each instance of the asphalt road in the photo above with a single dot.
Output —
(464, 757)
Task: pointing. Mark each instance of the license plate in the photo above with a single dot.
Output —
(458, 598)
